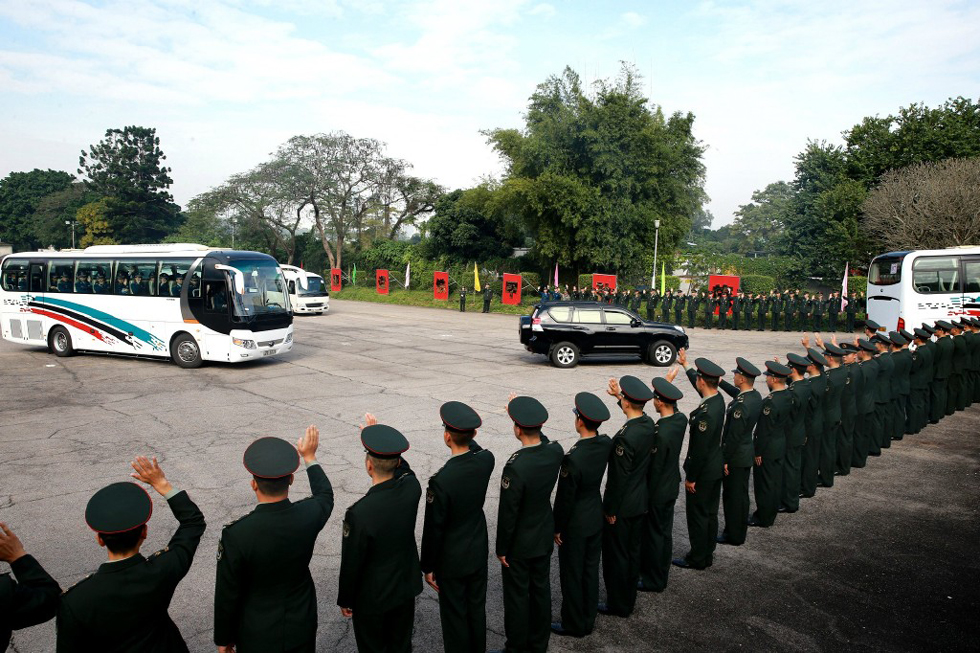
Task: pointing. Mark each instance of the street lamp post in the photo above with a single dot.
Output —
(72, 223)
(656, 243)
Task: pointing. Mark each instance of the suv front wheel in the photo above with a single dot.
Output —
(661, 354)
(564, 354)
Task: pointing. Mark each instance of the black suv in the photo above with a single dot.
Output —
(566, 331)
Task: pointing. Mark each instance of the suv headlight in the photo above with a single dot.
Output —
(247, 344)
(680, 328)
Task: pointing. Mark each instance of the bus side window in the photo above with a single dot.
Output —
(936, 274)
(292, 287)
(14, 276)
(971, 276)
(172, 277)
(62, 276)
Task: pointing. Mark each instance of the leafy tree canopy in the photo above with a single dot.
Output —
(20, 195)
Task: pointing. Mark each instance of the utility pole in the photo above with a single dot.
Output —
(656, 243)
(72, 223)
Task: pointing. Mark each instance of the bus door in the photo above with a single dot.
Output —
(886, 291)
(971, 285)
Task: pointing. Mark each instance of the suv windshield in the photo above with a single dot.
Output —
(265, 289)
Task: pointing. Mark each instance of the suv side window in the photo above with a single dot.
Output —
(616, 317)
(588, 316)
(557, 313)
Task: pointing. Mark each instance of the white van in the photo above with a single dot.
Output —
(307, 291)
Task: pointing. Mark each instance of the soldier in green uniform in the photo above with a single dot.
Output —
(748, 301)
(737, 302)
(652, 300)
(833, 310)
(122, 607)
(850, 311)
(624, 504)
(710, 303)
(836, 376)
(29, 600)
(974, 324)
(740, 419)
(462, 300)
(814, 418)
(769, 445)
(761, 305)
(849, 410)
(867, 427)
(679, 300)
(921, 375)
(776, 306)
(724, 304)
(578, 518)
(704, 466)
(635, 302)
(693, 301)
(944, 368)
(957, 387)
(487, 297)
(264, 596)
(663, 485)
(789, 311)
(665, 305)
(380, 574)
(526, 528)
(454, 534)
(885, 393)
(802, 404)
(902, 383)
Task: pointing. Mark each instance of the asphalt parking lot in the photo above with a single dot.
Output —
(886, 560)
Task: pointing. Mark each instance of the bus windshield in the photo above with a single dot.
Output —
(265, 289)
(314, 286)
(886, 270)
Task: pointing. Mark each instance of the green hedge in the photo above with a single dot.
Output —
(757, 283)
(857, 284)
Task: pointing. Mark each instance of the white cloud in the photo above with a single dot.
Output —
(633, 20)
(544, 10)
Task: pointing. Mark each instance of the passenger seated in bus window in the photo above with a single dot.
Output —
(177, 286)
(195, 287)
(218, 300)
(22, 283)
(137, 286)
(100, 287)
(64, 283)
(164, 285)
(122, 284)
(151, 284)
(81, 283)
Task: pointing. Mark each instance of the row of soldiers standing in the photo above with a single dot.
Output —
(740, 311)
(826, 412)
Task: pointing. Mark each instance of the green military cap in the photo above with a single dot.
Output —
(880, 337)
(590, 407)
(383, 441)
(745, 368)
(897, 338)
(848, 347)
(527, 412)
(928, 327)
(922, 333)
(944, 325)
(871, 324)
(707, 368)
(798, 361)
(271, 458)
(776, 369)
(833, 350)
(666, 391)
(118, 508)
(635, 389)
(906, 334)
(867, 345)
(458, 416)
(975, 321)
(816, 357)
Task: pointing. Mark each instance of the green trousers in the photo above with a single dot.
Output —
(809, 470)
(463, 612)
(702, 522)
(657, 546)
(385, 632)
(863, 435)
(767, 480)
(845, 444)
(621, 552)
(735, 501)
(874, 433)
(886, 415)
(952, 393)
(828, 453)
(937, 400)
(792, 477)
(578, 572)
(527, 603)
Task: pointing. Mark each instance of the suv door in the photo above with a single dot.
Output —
(618, 330)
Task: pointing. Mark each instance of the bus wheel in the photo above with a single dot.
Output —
(59, 342)
(185, 351)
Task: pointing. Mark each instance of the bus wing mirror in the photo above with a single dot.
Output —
(236, 276)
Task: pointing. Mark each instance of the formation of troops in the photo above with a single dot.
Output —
(828, 409)
(722, 308)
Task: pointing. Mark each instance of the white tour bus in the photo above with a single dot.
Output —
(189, 302)
(307, 291)
(906, 289)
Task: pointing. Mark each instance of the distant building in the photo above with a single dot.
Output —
(6, 248)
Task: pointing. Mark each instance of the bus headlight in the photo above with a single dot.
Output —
(247, 344)
(289, 337)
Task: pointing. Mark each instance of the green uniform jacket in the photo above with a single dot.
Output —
(943, 361)
(629, 462)
(30, 600)
(264, 597)
(960, 356)
(921, 368)
(525, 521)
(123, 606)
(833, 407)
(902, 379)
(869, 386)
(852, 389)
(578, 504)
(664, 476)
(769, 439)
(884, 391)
(705, 462)
(813, 415)
(741, 417)
(379, 561)
(801, 401)
(454, 534)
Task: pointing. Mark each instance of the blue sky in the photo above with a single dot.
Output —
(226, 81)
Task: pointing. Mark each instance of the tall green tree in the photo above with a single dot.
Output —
(760, 225)
(126, 169)
(591, 173)
(20, 195)
(467, 227)
(57, 209)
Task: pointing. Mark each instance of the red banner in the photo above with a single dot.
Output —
(336, 277)
(381, 281)
(604, 280)
(440, 285)
(719, 283)
(512, 289)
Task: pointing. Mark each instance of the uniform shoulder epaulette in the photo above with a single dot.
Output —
(154, 556)
(77, 584)
(513, 457)
(235, 521)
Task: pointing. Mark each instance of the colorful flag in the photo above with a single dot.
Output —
(476, 279)
(663, 277)
(353, 279)
(843, 290)
(408, 272)
(556, 275)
